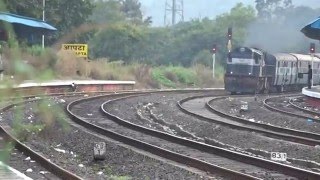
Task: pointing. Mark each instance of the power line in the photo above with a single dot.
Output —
(175, 10)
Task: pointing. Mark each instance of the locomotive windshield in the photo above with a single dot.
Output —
(242, 69)
(243, 61)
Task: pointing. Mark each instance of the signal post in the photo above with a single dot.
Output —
(214, 51)
(310, 73)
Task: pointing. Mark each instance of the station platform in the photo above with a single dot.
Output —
(9, 173)
(62, 86)
(313, 95)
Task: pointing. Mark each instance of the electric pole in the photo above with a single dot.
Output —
(43, 18)
(175, 9)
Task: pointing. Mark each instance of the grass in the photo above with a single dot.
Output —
(44, 64)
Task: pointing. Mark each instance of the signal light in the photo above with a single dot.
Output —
(312, 47)
(214, 49)
(230, 33)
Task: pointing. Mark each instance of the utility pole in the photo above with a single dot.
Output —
(43, 18)
(175, 9)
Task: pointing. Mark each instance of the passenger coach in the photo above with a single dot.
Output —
(251, 70)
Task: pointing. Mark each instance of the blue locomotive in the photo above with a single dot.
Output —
(251, 70)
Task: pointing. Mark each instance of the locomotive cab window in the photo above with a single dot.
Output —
(256, 58)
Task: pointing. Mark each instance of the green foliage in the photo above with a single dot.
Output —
(185, 76)
(131, 9)
(184, 44)
(204, 57)
(63, 14)
(174, 76)
(158, 74)
(272, 9)
(107, 12)
(118, 42)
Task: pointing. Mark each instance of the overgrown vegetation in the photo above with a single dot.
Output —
(124, 46)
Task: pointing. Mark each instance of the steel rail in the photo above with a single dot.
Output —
(53, 168)
(180, 158)
(302, 137)
(259, 162)
(266, 101)
(304, 110)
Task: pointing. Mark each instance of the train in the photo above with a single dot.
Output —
(252, 70)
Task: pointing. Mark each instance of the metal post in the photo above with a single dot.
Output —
(174, 12)
(1, 64)
(43, 19)
(312, 58)
(213, 63)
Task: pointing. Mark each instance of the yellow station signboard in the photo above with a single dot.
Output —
(81, 50)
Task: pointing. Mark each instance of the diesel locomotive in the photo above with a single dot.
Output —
(251, 70)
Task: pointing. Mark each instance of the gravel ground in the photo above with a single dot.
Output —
(303, 103)
(258, 113)
(90, 112)
(25, 164)
(72, 148)
(21, 162)
(166, 113)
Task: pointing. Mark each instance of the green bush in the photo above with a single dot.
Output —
(158, 74)
(174, 76)
(185, 75)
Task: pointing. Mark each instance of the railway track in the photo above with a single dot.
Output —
(188, 105)
(98, 125)
(286, 105)
(6, 134)
(29, 100)
(293, 102)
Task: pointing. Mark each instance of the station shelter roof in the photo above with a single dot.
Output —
(27, 21)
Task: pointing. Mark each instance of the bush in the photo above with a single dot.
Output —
(68, 65)
(158, 75)
(174, 76)
(204, 76)
(185, 75)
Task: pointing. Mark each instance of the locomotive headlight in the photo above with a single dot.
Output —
(231, 72)
(249, 73)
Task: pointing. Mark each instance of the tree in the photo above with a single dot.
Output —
(132, 11)
(184, 44)
(271, 9)
(32, 8)
(190, 38)
(117, 42)
(68, 14)
(63, 14)
(107, 12)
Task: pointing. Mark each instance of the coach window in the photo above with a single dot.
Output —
(281, 71)
(288, 71)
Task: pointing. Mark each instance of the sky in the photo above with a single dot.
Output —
(195, 9)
